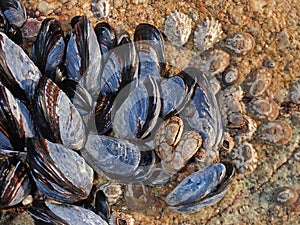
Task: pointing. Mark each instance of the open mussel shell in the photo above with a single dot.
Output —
(106, 37)
(15, 120)
(138, 113)
(14, 179)
(201, 189)
(63, 214)
(149, 45)
(59, 173)
(57, 118)
(117, 158)
(83, 57)
(49, 48)
(203, 113)
(22, 79)
(176, 92)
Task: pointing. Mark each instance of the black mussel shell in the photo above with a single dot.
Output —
(149, 44)
(17, 72)
(15, 120)
(48, 50)
(118, 71)
(136, 115)
(63, 214)
(14, 180)
(14, 12)
(202, 113)
(83, 57)
(59, 173)
(101, 205)
(56, 117)
(176, 92)
(106, 36)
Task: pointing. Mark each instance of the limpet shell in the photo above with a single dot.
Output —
(286, 196)
(244, 157)
(215, 62)
(178, 27)
(257, 82)
(239, 44)
(208, 33)
(277, 132)
(265, 108)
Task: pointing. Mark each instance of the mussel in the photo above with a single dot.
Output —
(83, 57)
(64, 214)
(14, 179)
(22, 79)
(59, 173)
(118, 158)
(15, 120)
(49, 48)
(118, 71)
(149, 44)
(57, 118)
(138, 113)
(201, 189)
(14, 12)
(176, 92)
(106, 36)
(202, 113)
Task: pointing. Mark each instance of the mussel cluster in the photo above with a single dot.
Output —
(95, 100)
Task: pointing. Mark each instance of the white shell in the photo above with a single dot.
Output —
(101, 8)
(178, 27)
(208, 33)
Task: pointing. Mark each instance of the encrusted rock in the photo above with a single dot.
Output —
(178, 27)
(257, 82)
(244, 157)
(295, 92)
(208, 33)
(277, 132)
(265, 108)
(215, 62)
(239, 44)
